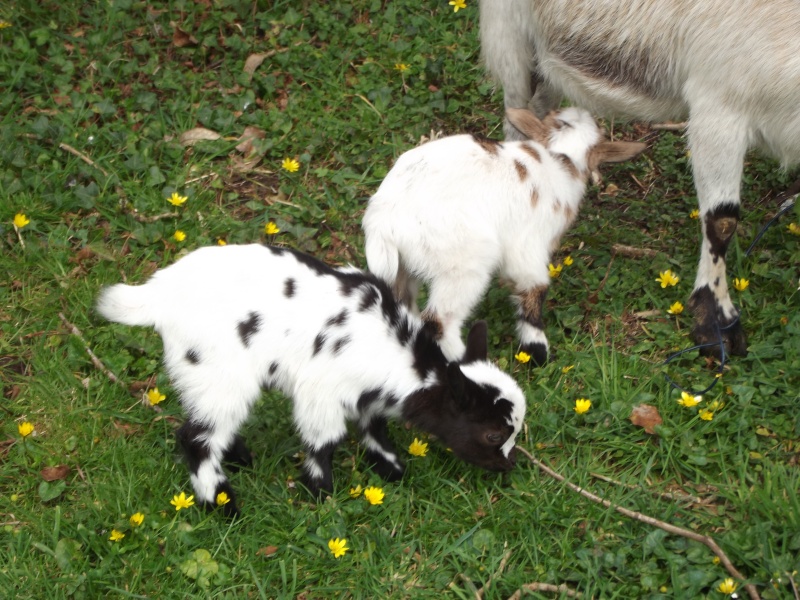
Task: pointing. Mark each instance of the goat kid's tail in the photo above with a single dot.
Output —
(383, 258)
(129, 304)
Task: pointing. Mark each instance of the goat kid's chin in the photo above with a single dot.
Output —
(495, 462)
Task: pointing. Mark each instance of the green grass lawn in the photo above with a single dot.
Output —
(101, 111)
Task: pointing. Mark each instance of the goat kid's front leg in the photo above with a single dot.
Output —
(530, 324)
(205, 448)
(380, 453)
(718, 143)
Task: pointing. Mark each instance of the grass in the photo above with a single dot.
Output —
(98, 95)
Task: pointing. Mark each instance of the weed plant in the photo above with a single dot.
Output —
(100, 116)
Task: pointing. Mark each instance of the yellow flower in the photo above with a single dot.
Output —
(688, 400)
(667, 277)
(566, 370)
(116, 535)
(176, 199)
(374, 495)
(728, 586)
(675, 309)
(4, 24)
(554, 271)
(221, 242)
(794, 228)
(137, 519)
(401, 67)
(582, 405)
(418, 448)
(695, 214)
(222, 499)
(522, 357)
(25, 428)
(716, 560)
(457, 4)
(290, 164)
(741, 284)
(271, 229)
(568, 261)
(355, 492)
(20, 220)
(715, 404)
(154, 396)
(705, 414)
(182, 501)
(179, 236)
(338, 547)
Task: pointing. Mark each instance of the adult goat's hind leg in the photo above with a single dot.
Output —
(718, 142)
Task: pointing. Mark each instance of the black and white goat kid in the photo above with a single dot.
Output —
(238, 319)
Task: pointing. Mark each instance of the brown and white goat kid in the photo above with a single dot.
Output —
(456, 210)
(239, 319)
(731, 68)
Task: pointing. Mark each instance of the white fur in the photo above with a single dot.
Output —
(199, 304)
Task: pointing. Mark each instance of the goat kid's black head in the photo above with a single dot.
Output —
(479, 421)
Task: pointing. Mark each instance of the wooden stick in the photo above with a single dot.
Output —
(632, 251)
(95, 361)
(668, 527)
(545, 587)
(500, 569)
(668, 126)
(82, 156)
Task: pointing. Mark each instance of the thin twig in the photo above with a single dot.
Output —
(153, 218)
(794, 585)
(83, 157)
(500, 569)
(545, 587)
(668, 527)
(19, 237)
(95, 361)
(669, 126)
(632, 251)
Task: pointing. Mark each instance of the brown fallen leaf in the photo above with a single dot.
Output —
(180, 37)
(55, 473)
(254, 61)
(646, 416)
(198, 134)
(266, 551)
(245, 145)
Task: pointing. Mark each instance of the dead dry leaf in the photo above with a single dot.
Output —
(54, 473)
(180, 37)
(198, 134)
(245, 145)
(646, 416)
(266, 551)
(254, 61)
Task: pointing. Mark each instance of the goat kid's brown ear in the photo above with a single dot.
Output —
(528, 124)
(477, 343)
(615, 152)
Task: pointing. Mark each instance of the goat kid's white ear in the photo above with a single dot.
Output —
(477, 343)
(528, 124)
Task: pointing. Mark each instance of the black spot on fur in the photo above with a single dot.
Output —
(319, 341)
(249, 328)
(369, 298)
(366, 399)
(720, 225)
(288, 287)
(339, 344)
(337, 320)
(192, 356)
(273, 366)
(428, 354)
(237, 454)
(191, 436)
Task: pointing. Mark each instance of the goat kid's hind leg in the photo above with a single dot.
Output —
(205, 448)
(718, 143)
(530, 324)
(380, 453)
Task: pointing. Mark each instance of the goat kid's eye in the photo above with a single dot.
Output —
(494, 438)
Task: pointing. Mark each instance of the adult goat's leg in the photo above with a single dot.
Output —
(718, 142)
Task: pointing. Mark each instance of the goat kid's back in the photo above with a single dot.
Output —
(239, 319)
